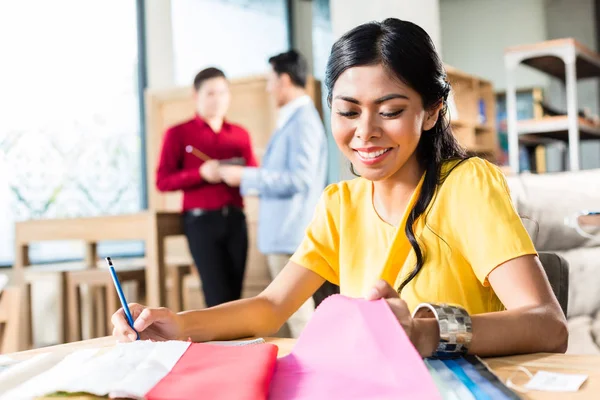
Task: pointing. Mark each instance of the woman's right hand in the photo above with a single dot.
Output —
(157, 324)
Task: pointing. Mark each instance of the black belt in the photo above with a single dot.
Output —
(225, 211)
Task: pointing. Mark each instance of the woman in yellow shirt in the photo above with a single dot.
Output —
(423, 223)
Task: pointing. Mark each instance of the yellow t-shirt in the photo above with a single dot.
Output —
(471, 228)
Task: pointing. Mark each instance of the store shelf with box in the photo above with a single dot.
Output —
(569, 61)
(472, 107)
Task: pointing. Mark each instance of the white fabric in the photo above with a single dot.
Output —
(286, 112)
(126, 370)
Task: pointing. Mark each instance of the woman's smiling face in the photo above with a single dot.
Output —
(377, 121)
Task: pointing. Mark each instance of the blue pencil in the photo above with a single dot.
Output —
(115, 279)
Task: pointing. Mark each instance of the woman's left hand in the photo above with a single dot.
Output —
(422, 332)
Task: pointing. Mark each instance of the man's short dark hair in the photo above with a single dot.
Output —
(206, 74)
(293, 64)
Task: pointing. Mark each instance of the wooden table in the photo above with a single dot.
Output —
(503, 367)
(150, 227)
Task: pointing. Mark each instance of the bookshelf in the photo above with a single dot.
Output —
(556, 127)
(569, 61)
(472, 107)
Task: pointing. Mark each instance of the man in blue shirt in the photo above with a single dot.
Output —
(293, 172)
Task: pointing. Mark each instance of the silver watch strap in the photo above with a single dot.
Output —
(455, 328)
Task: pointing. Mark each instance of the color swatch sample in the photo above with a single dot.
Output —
(353, 349)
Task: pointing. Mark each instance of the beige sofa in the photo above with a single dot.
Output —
(544, 201)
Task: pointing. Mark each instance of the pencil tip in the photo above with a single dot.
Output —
(108, 260)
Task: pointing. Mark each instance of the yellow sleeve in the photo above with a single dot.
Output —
(485, 226)
(319, 251)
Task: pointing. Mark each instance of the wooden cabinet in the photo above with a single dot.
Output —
(472, 109)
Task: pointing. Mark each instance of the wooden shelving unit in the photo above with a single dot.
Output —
(556, 127)
(567, 60)
(475, 130)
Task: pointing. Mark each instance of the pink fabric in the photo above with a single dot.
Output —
(352, 349)
(207, 371)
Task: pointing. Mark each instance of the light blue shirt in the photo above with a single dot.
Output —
(290, 181)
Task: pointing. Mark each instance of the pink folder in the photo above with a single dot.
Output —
(352, 349)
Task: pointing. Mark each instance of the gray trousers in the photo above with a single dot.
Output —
(295, 324)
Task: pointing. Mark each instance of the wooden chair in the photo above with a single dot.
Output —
(103, 295)
(10, 312)
(175, 285)
(56, 273)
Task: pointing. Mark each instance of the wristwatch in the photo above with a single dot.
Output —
(455, 328)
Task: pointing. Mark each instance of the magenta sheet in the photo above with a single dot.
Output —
(352, 349)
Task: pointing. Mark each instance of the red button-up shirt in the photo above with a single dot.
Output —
(179, 170)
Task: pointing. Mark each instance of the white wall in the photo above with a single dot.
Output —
(159, 44)
(575, 18)
(476, 32)
(237, 39)
(346, 14)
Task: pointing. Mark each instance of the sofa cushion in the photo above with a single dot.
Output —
(581, 340)
(584, 280)
(545, 200)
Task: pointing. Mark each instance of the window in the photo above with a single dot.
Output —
(70, 128)
(322, 41)
(237, 36)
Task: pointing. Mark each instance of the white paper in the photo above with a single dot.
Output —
(126, 370)
(555, 382)
(20, 371)
(6, 362)
(239, 342)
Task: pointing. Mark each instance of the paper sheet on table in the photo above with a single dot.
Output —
(352, 349)
(6, 362)
(128, 370)
(13, 372)
(235, 343)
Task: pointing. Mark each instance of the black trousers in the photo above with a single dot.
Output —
(218, 241)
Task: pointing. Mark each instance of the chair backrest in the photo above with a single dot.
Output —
(10, 307)
(557, 270)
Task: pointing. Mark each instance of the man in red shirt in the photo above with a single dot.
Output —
(214, 220)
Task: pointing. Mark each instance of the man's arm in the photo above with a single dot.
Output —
(169, 175)
(305, 152)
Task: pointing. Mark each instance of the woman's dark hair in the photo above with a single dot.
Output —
(206, 74)
(407, 52)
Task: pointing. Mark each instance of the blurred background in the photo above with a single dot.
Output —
(87, 89)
